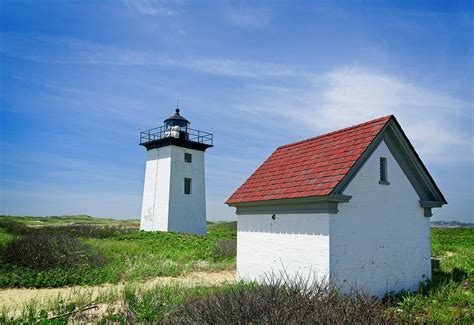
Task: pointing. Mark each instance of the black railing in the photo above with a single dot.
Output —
(176, 132)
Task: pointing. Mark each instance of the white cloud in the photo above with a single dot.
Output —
(352, 94)
(439, 125)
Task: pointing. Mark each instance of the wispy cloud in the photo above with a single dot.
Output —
(246, 16)
(79, 52)
(153, 7)
(324, 102)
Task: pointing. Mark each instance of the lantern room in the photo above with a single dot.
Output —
(176, 126)
(176, 131)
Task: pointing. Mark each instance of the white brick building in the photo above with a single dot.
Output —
(351, 207)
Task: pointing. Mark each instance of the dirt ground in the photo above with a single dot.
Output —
(15, 298)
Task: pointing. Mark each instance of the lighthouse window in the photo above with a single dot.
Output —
(187, 185)
(188, 157)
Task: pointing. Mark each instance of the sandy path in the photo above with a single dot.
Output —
(15, 298)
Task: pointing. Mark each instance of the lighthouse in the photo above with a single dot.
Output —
(174, 195)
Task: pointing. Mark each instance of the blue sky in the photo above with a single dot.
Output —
(81, 79)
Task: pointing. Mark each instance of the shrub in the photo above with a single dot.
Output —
(225, 248)
(49, 251)
(283, 302)
(231, 225)
(75, 230)
(13, 227)
(87, 231)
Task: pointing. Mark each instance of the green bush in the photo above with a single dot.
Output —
(85, 231)
(75, 230)
(294, 301)
(225, 248)
(49, 251)
(13, 227)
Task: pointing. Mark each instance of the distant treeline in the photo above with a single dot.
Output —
(451, 224)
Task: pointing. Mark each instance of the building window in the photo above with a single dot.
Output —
(188, 158)
(187, 185)
(383, 171)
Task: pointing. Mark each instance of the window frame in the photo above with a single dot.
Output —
(383, 171)
(190, 185)
(187, 154)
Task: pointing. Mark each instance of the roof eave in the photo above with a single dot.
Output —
(335, 198)
(431, 204)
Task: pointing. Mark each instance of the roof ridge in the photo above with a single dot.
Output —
(337, 131)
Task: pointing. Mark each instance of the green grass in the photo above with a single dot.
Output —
(449, 297)
(4, 237)
(454, 247)
(131, 256)
(141, 255)
(149, 305)
(137, 256)
(159, 302)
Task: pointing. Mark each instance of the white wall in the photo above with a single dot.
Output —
(297, 243)
(156, 191)
(380, 240)
(146, 218)
(165, 206)
(187, 213)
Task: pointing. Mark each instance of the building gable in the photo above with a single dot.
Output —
(403, 151)
(312, 174)
(379, 240)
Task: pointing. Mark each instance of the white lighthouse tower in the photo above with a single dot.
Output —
(174, 195)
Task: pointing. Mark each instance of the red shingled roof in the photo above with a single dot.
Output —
(311, 167)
